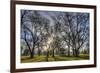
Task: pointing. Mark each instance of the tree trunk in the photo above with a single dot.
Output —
(31, 55)
(73, 52)
(68, 50)
(33, 51)
(53, 53)
(77, 53)
(39, 51)
(47, 55)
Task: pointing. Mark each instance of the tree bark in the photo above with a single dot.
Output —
(47, 55)
(68, 51)
(77, 53)
(53, 53)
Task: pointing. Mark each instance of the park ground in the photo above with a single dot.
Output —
(42, 58)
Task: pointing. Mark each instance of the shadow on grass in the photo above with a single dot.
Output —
(34, 59)
(27, 59)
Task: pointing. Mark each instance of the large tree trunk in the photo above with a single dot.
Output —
(77, 53)
(53, 53)
(39, 51)
(73, 52)
(31, 52)
(31, 55)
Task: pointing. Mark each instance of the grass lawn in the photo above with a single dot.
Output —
(27, 59)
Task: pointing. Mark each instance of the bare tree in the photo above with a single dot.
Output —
(36, 22)
(78, 34)
(69, 32)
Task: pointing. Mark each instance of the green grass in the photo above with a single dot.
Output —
(25, 59)
(42, 58)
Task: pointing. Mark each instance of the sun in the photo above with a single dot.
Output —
(49, 41)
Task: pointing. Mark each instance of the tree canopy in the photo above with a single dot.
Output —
(54, 32)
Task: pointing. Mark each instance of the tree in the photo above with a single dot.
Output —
(82, 32)
(24, 31)
(79, 30)
(32, 23)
